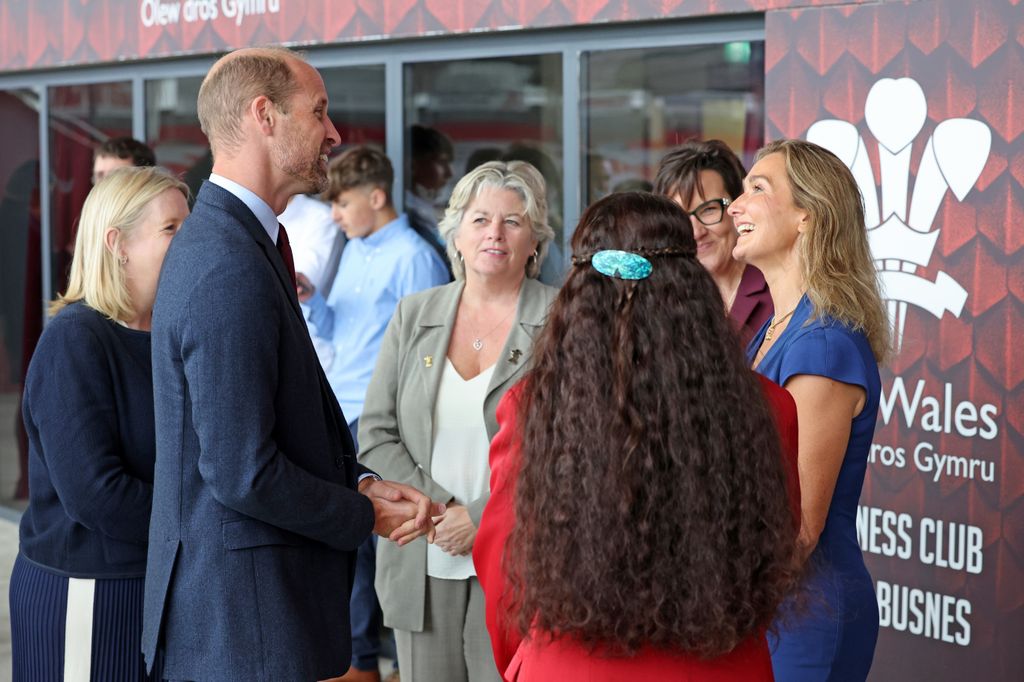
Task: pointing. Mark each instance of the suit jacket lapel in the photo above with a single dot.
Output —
(517, 354)
(276, 260)
(431, 350)
(219, 197)
(531, 312)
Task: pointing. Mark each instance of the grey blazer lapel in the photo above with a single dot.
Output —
(430, 348)
(531, 313)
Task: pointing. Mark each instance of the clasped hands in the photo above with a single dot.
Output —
(455, 530)
(400, 512)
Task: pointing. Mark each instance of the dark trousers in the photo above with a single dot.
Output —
(364, 608)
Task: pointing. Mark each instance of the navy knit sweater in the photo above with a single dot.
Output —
(88, 410)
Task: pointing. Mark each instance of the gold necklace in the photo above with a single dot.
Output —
(770, 334)
(478, 342)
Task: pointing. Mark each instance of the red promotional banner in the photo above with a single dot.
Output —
(47, 33)
(923, 101)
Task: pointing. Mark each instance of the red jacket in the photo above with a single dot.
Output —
(540, 657)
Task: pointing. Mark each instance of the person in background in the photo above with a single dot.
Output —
(448, 356)
(20, 275)
(316, 241)
(317, 245)
(430, 168)
(120, 152)
(482, 155)
(553, 269)
(640, 526)
(383, 261)
(76, 588)
(633, 185)
(801, 222)
(598, 176)
(704, 177)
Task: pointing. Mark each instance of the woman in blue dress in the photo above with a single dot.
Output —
(801, 222)
(77, 584)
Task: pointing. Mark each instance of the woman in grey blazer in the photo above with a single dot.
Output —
(447, 358)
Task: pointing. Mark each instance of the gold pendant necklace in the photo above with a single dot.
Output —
(770, 333)
(478, 342)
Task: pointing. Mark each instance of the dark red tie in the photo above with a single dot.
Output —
(285, 247)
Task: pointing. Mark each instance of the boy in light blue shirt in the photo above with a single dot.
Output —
(384, 260)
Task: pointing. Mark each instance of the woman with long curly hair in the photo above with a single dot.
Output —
(641, 519)
(801, 222)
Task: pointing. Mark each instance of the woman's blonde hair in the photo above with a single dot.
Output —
(518, 176)
(835, 257)
(117, 201)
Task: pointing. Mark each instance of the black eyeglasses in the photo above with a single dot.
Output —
(710, 212)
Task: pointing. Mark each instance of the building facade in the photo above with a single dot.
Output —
(924, 100)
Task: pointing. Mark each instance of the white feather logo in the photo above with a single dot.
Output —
(902, 240)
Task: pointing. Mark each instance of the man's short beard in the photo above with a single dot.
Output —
(317, 181)
(314, 179)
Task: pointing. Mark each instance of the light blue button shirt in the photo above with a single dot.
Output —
(259, 208)
(375, 272)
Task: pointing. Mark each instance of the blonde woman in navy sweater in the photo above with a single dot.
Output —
(76, 589)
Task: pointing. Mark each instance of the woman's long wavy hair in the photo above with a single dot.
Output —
(834, 253)
(651, 506)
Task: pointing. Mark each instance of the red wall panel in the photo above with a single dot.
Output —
(47, 33)
(891, 77)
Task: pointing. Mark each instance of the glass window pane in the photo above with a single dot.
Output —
(638, 104)
(81, 117)
(463, 113)
(172, 124)
(356, 95)
(172, 129)
(20, 278)
(356, 108)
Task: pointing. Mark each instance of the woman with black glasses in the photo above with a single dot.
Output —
(703, 177)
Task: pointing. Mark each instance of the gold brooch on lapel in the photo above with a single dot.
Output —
(514, 355)
(428, 360)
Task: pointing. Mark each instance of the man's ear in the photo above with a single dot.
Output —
(263, 113)
(378, 199)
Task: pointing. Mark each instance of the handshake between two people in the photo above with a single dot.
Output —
(401, 513)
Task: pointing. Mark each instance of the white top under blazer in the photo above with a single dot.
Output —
(459, 461)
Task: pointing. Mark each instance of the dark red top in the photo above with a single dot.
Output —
(752, 306)
(540, 657)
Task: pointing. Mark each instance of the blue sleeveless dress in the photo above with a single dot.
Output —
(833, 637)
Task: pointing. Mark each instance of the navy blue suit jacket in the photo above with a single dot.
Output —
(256, 516)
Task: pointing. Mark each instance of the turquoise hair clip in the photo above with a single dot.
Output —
(629, 264)
(621, 264)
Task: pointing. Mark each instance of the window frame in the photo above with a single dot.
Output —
(571, 42)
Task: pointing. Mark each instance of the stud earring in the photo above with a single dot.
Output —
(123, 260)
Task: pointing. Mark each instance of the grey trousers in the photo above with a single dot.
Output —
(454, 645)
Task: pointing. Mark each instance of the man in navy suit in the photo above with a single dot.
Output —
(258, 502)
